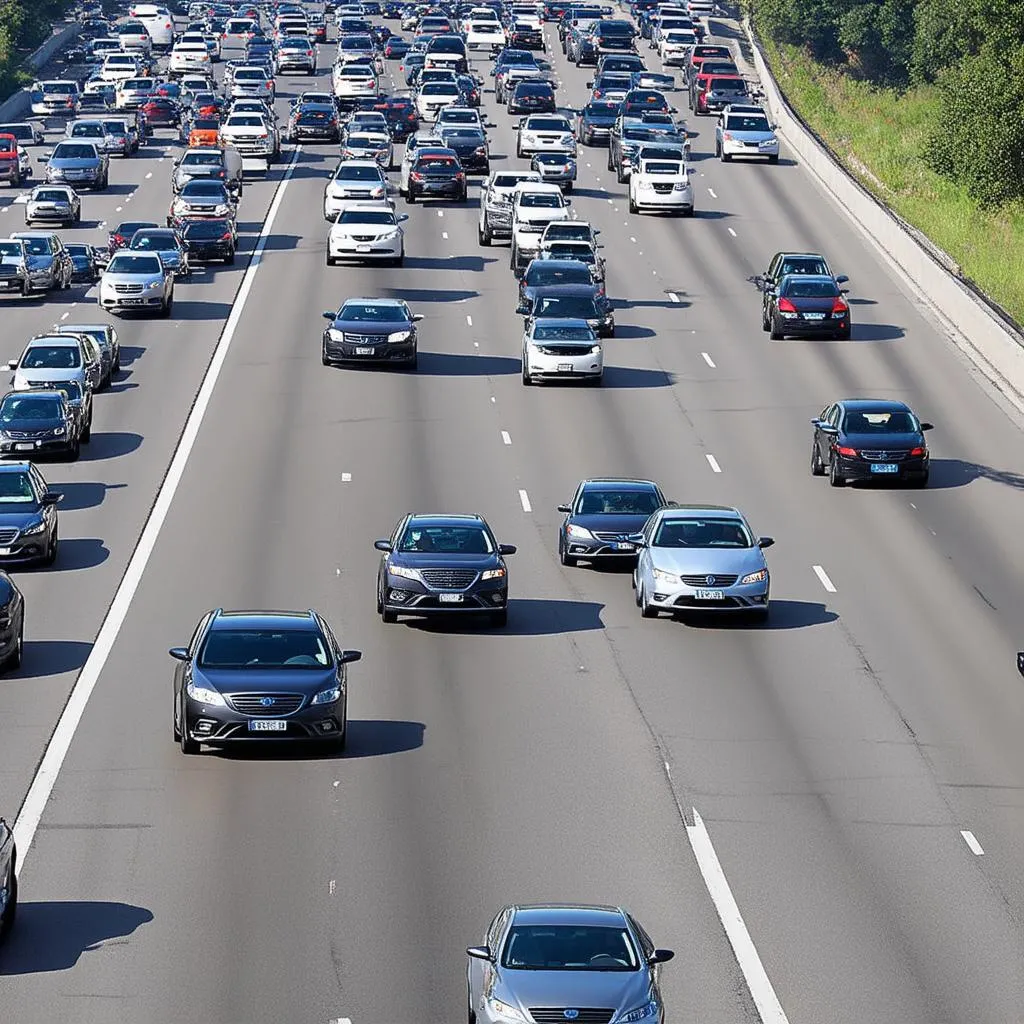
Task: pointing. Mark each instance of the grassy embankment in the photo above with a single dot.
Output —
(879, 135)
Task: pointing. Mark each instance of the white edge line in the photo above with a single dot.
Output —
(823, 576)
(45, 778)
(758, 982)
(972, 844)
(524, 500)
(713, 463)
(731, 232)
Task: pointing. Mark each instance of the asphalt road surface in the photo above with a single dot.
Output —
(835, 755)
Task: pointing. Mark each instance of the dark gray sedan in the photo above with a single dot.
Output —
(558, 963)
(371, 331)
(79, 163)
(8, 879)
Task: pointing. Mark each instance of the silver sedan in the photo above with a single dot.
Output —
(137, 282)
(701, 558)
(50, 204)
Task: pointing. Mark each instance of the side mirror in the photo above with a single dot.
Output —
(523, 309)
(52, 498)
(927, 426)
(327, 315)
(765, 542)
(844, 291)
(842, 279)
(661, 956)
(349, 656)
(42, 160)
(567, 509)
(403, 217)
(12, 365)
(382, 545)
(507, 549)
(480, 953)
(590, 85)
(179, 653)
(177, 161)
(417, 317)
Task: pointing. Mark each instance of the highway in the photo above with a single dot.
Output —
(835, 755)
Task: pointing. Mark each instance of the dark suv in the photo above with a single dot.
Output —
(28, 516)
(258, 676)
(442, 565)
(38, 423)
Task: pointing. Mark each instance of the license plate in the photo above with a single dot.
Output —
(267, 725)
(624, 546)
(884, 467)
(565, 367)
(709, 595)
(814, 316)
(5, 551)
(25, 446)
(364, 248)
(132, 302)
(364, 351)
(450, 598)
(10, 284)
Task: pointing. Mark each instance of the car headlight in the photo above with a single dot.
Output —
(497, 1008)
(578, 531)
(644, 1012)
(665, 577)
(377, 193)
(493, 574)
(327, 696)
(399, 336)
(404, 571)
(34, 529)
(58, 431)
(680, 186)
(755, 577)
(389, 235)
(222, 210)
(596, 350)
(204, 695)
(153, 285)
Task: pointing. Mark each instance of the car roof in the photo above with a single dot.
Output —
(547, 290)
(788, 254)
(33, 234)
(563, 264)
(15, 467)
(683, 509)
(823, 278)
(622, 482)
(878, 404)
(264, 620)
(568, 913)
(446, 519)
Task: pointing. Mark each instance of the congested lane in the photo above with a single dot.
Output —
(828, 753)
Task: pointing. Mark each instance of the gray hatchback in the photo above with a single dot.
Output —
(558, 963)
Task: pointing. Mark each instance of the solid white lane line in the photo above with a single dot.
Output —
(708, 360)
(346, 478)
(713, 463)
(712, 191)
(673, 297)
(823, 576)
(731, 232)
(524, 500)
(972, 844)
(469, 320)
(506, 437)
(758, 982)
(56, 751)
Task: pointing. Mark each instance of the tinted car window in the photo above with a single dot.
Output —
(449, 540)
(238, 648)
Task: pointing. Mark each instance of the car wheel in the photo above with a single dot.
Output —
(817, 466)
(519, 151)
(633, 208)
(726, 157)
(611, 165)
(921, 481)
(773, 331)
(410, 196)
(499, 619)
(185, 742)
(470, 1012)
(26, 289)
(483, 235)
(75, 451)
(324, 358)
(13, 660)
(399, 260)
(760, 615)
(86, 435)
(619, 176)
(230, 258)
(647, 611)
(12, 901)
(765, 325)
(51, 550)
(835, 478)
(636, 590)
(565, 558)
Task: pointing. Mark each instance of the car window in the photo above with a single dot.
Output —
(862, 421)
(562, 332)
(16, 489)
(595, 501)
(450, 540)
(540, 200)
(264, 648)
(569, 948)
(798, 289)
(122, 263)
(573, 307)
(366, 217)
(52, 357)
(30, 407)
(701, 533)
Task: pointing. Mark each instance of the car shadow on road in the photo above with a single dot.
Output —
(192, 310)
(41, 658)
(626, 377)
(474, 264)
(526, 617)
(79, 553)
(118, 189)
(278, 242)
(449, 364)
(633, 331)
(653, 303)
(948, 473)
(366, 738)
(82, 495)
(110, 445)
(53, 935)
(414, 295)
(784, 615)
(131, 354)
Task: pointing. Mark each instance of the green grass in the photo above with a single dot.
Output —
(879, 135)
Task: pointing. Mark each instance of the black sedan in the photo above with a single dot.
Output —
(542, 273)
(532, 98)
(595, 121)
(371, 331)
(12, 637)
(314, 122)
(575, 302)
(28, 516)
(870, 439)
(603, 518)
(210, 239)
(120, 236)
(86, 261)
(437, 174)
(8, 879)
(258, 676)
(441, 565)
(806, 306)
(470, 145)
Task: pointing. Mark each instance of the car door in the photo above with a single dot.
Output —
(481, 973)
(91, 363)
(49, 512)
(822, 439)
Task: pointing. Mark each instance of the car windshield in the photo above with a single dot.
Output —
(52, 357)
(562, 332)
(74, 151)
(446, 540)
(125, 264)
(51, 195)
(569, 948)
(811, 289)
(459, 117)
(29, 407)
(368, 312)
(540, 275)
(58, 88)
(201, 159)
(602, 109)
(264, 648)
(813, 265)
(617, 502)
(747, 124)
(152, 240)
(367, 217)
(571, 251)
(250, 75)
(357, 174)
(572, 307)
(540, 200)
(37, 247)
(885, 421)
(87, 131)
(10, 249)
(245, 121)
(553, 159)
(206, 229)
(16, 489)
(204, 190)
(701, 533)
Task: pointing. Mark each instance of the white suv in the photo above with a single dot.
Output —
(496, 203)
(662, 186)
(534, 206)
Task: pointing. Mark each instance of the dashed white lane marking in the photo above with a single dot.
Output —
(118, 209)
(972, 844)
(493, 399)
(712, 192)
(713, 463)
(440, 213)
(444, 234)
(339, 1020)
(469, 320)
(731, 232)
(708, 360)
(524, 500)
(63, 316)
(346, 478)
(149, 175)
(332, 887)
(102, 224)
(673, 297)
(506, 437)
(631, 238)
(611, 202)
(758, 982)
(46, 774)
(823, 576)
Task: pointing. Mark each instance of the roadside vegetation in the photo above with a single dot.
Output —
(923, 100)
(24, 26)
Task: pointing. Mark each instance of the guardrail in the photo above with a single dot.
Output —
(987, 334)
(17, 107)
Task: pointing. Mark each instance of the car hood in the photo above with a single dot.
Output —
(755, 136)
(609, 523)
(167, 255)
(143, 279)
(884, 442)
(260, 680)
(433, 560)
(622, 990)
(691, 561)
(18, 520)
(74, 163)
(362, 327)
(43, 259)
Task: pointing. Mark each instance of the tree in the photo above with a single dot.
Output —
(877, 38)
(946, 30)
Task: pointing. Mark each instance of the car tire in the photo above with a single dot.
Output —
(633, 208)
(765, 325)
(647, 611)
(76, 451)
(483, 235)
(817, 466)
(565, 558)
(835, 478)
(388, 616)
(410, 197)
(619, 176)
(50, 557)
(186, 744)
(773, 331)
(230, 260)
(519, 151)
(86, 435)
(13, 660)
(399, 260)
(12, 903)
(726, 157)
(324, 358)
(527, 379)
(329, 260)
(843, 335)
(499, 619)
(26, 289)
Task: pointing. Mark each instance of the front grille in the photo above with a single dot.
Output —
(565, 350)
(584, 1015)
(448, 579)
(8, 271)
(715, 580)
(364, 238)
(873, 455)
(663, 188)
(128, 289)
(253, 703)
(609, 537)
(7, 535)
(363, 339)
(22, 435)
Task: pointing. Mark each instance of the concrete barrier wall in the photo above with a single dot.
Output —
(992, 343)
(19, 106)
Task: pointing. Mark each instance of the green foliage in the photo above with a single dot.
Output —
(24, 26)
(978, 136)
(947, 30)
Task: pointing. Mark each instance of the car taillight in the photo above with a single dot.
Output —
(839, 306)
(918, 452)
(850, 453)
(785, 306)
(416, 176)
(459, 175)
(119, 240)
(226, 237)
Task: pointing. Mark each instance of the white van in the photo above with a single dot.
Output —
(158, 21)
